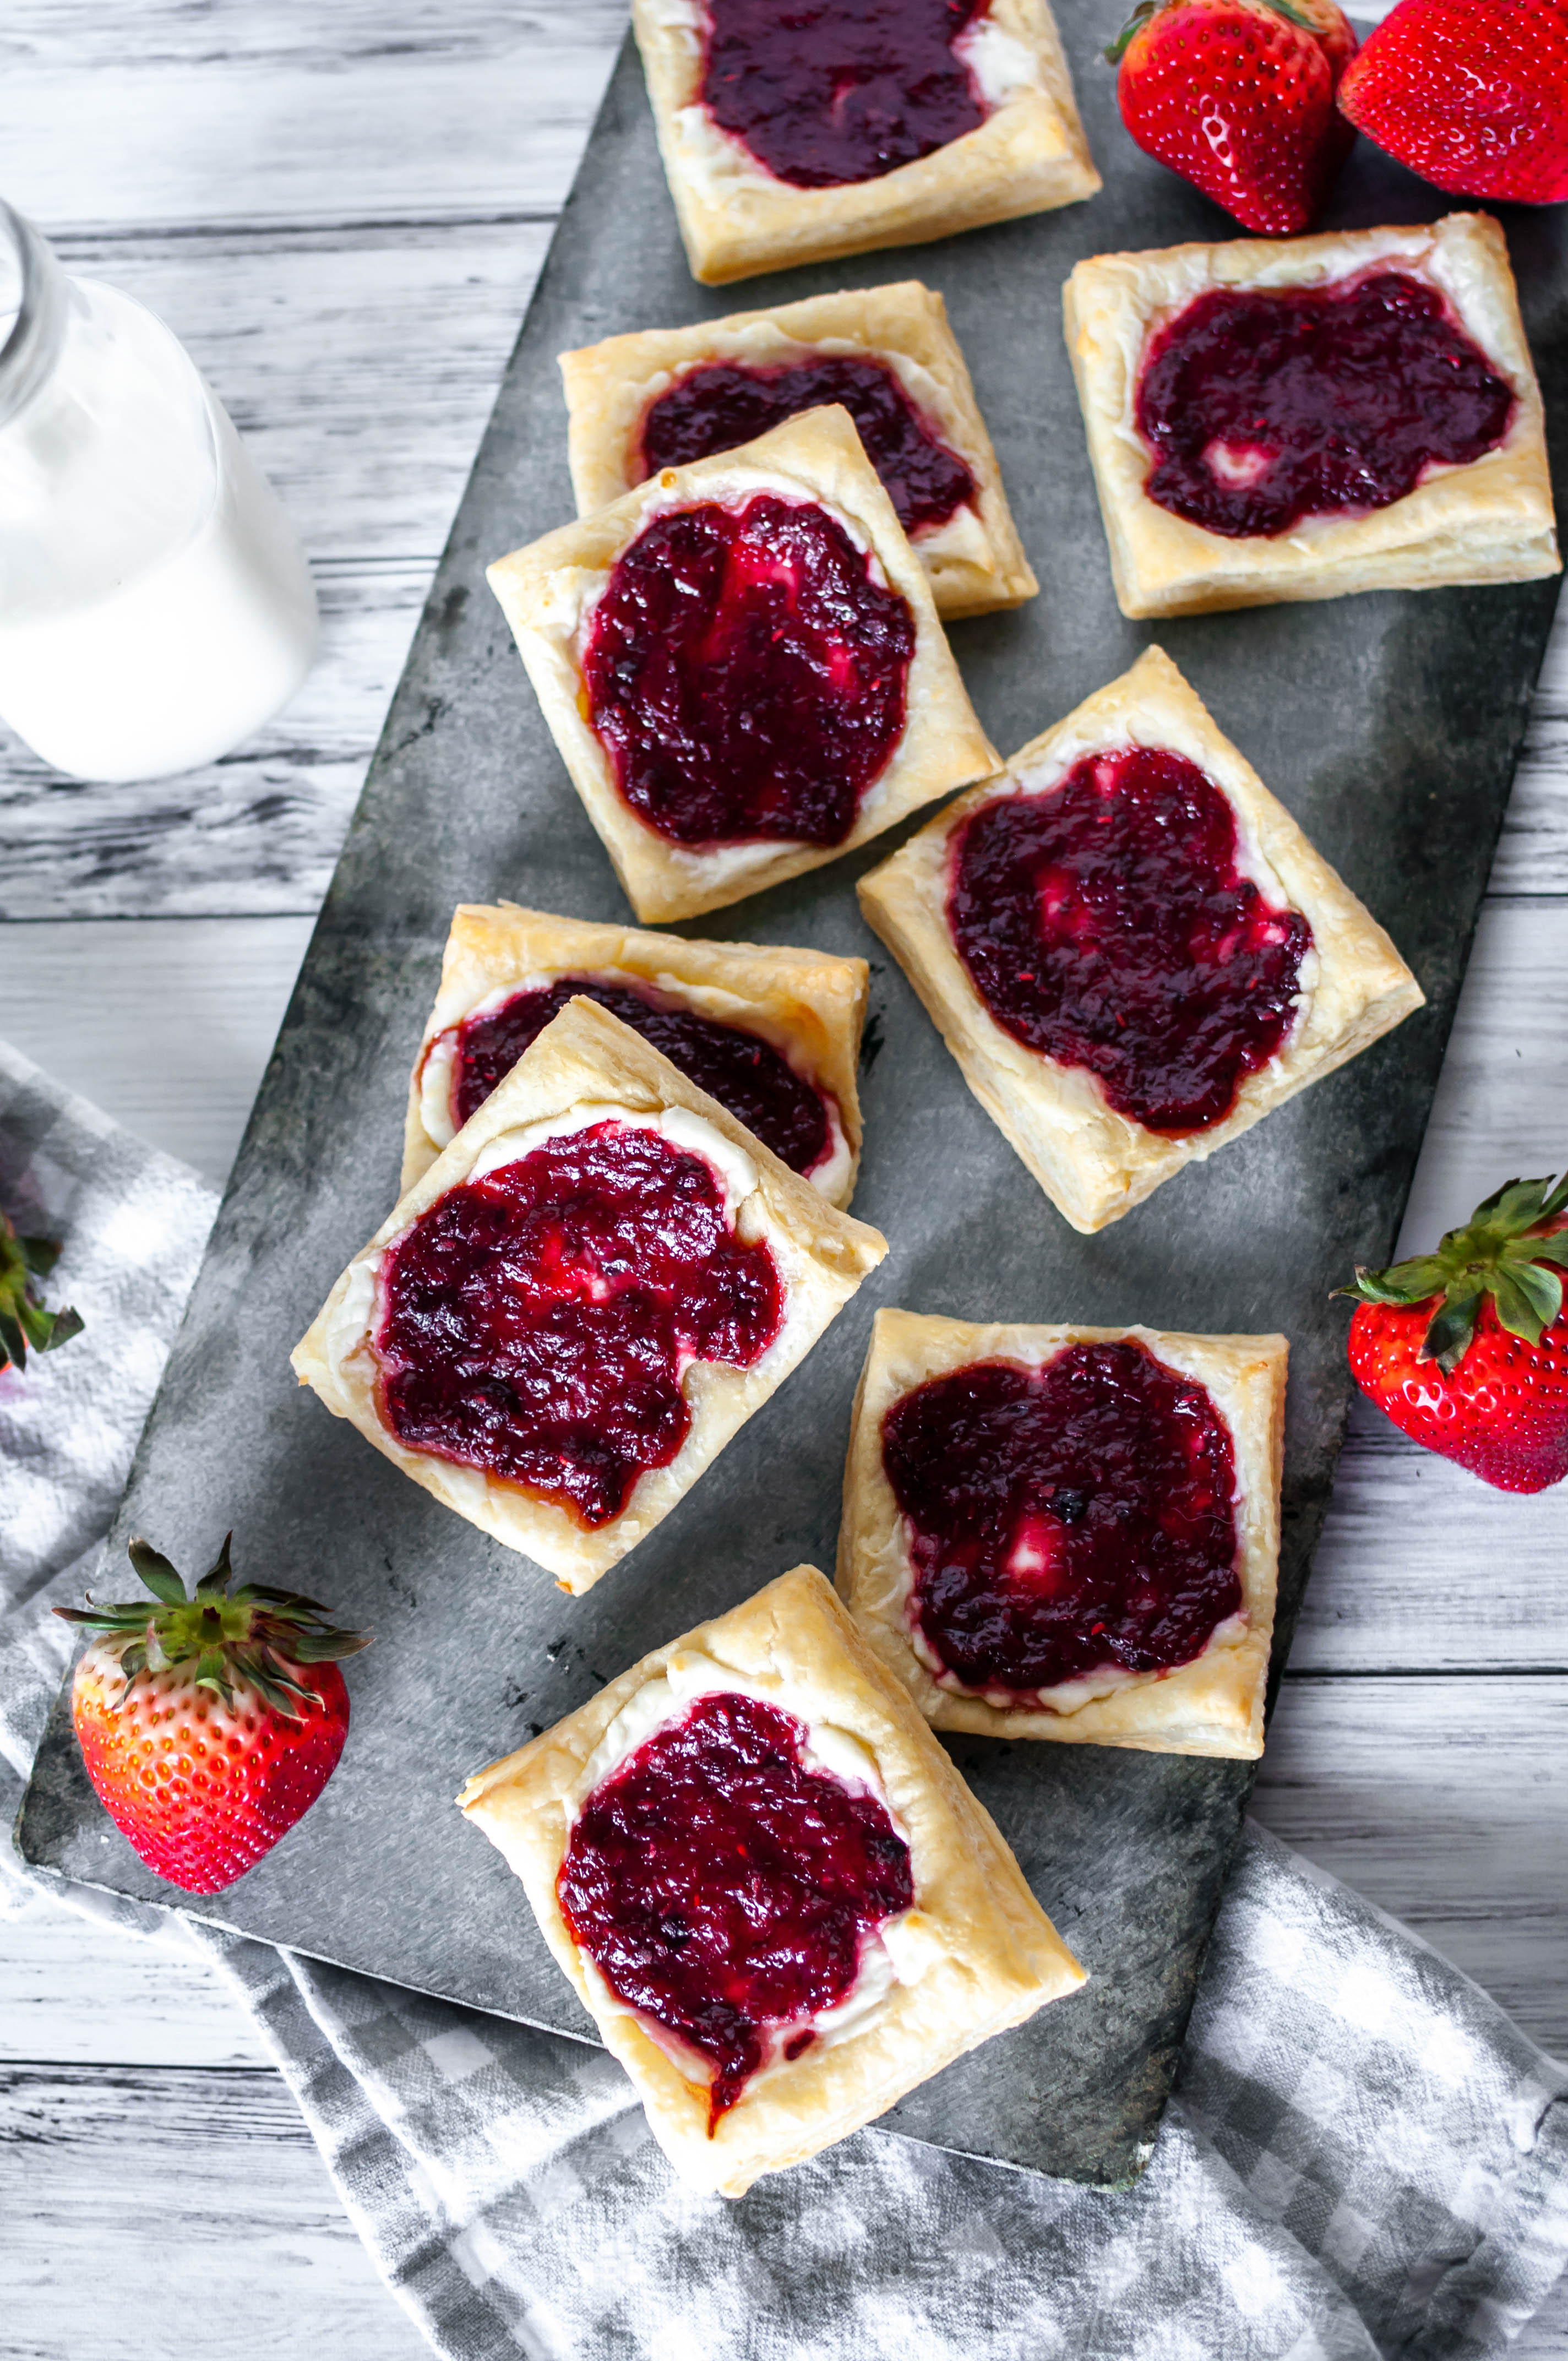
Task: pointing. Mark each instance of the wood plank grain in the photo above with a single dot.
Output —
(1444, 1801)
(1532, 857)
(1501, 1106)
(248, 2226)
(362, 375)
(150, 2004)
(149, 2214)
(1422, 1565)
(167, 1027)
(360, 367)
(259, 831)
(170, 114)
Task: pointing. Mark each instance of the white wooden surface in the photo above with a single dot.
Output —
(342, 212)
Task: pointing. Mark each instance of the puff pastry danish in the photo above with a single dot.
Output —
(1435, 300)
(679, 642)
(1026, 154)
(775, 1035)
(591, 1290)
(618, 406)
(1106, 1051)
(871, 1835)
(1111, 1582)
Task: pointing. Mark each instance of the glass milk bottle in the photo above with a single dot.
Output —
(155, 607)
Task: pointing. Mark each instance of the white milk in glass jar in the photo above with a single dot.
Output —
(155, 605)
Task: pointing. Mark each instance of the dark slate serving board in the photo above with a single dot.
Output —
(1388, 724)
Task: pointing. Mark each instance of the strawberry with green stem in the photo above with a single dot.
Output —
(1238, 97)
(23, 1320)
(1466, 1349)
(209, 1723)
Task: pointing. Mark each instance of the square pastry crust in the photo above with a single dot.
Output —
(1212, 1705)
(1488, 521)
(974, 1955)
(588, 1065)
(808, 1005)
(547, 591)
(736, 218)
(1093, 1162)
(975, 560)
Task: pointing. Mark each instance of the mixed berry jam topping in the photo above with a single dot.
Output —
(1064, 1520)
(1263, 406)
(1107, 925)
(746, 674)
(536, 1322)
(726, 403)
(827, 92)
(739, 1069)
(725, 1889)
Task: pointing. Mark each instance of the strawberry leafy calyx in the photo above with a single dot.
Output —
(255, 1633)
(1146, 10)
(1512, 1249)
(23, 1320)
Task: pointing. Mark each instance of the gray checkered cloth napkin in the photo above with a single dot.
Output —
(1365, 2156)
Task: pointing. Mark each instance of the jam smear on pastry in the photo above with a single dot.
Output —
(747, 675)
(726, 403)
(830, 92)
(1107, 925)
(1065, 1520)
(726, 1887)
(1264, 406)
(739, 1069)
(535, 1323)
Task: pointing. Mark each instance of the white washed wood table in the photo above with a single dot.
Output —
(341, 212)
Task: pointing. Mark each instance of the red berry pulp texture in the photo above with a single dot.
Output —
(743, 1071)
(1473, 94)
(536, 1322)
(1503, 1413)
(1262, 407)
(1106, 925)
(202, 1792)
(827, 91)
(726, 1890)
(728, 403)
(1066, 1519)
(747, 675)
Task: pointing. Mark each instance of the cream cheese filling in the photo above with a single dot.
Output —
(1252, 863)
(760, 344)
(1000, 65)
(567, 614)
(894, 1954)
(437, 1074)
(718, 164)
(1067, 1697)
(692, 1134)
(1452, 266)
(353, 1323)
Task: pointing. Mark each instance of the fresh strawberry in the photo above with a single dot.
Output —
(1468, 1349)
(1473, 94)
(1238, 97)
(23, 1320)
(209, 1724)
